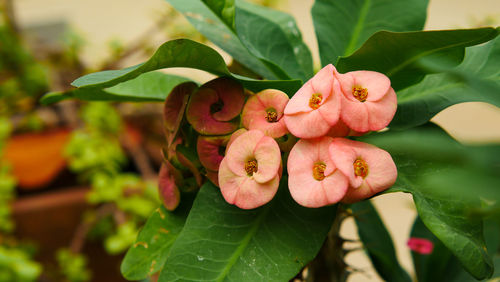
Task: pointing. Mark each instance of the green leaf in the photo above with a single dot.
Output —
(273, 36)
(177, 53)
(441, 264)
(150, 86)
(426, 154)
(342, 26)
(153, 243)
(214, 21)
(222, 242)
(397, 54)
(478, 80)
(378, 242)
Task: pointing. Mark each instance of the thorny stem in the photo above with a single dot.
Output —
(329, 264)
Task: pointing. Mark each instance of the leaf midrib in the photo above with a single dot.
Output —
(410, 60)
(358, 28)
(244, 243)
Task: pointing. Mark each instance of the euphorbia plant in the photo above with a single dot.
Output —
(295, 152)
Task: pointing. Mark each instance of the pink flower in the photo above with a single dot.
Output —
(369, 169)
(173, 110)
(168, 191)
(420, 245)
(234, 136)
(249, 173)
(214, 108)
(315, 108)
(314, 180)
(264, 111)
(368, 101)
(211, 150)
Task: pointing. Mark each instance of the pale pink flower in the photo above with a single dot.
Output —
(368, 100)
(314, 180)
(235, 135)
(168, 190)
(315, 108)
(264, 111)
(214, 108)
(174, 108)
(369, 169)
(249, 173)
(420, 245)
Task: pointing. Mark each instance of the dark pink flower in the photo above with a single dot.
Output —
(214, 108)
(211, 150)
(369, 169)
(174, 108)
(315, 108)
(313, 179)
(264, 111)
(420, 245)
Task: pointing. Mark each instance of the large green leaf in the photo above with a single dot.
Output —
(213, 20)
(397, 55)
(153, 243)
(342, 26)
(426, 154)
(274, 37)
(378, 242)
(181, 53)
(150, 86)
(419, 103)
(221, 242)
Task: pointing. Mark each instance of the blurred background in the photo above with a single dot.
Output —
(78, 179)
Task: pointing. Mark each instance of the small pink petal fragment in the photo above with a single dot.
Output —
(167, 187)
(420, 245)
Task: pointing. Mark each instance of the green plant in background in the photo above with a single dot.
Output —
(73, 266)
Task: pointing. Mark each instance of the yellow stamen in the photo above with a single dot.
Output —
(315, 100)
(251, 167)
(319, 171)
(360, 168)
(360, 93)
(272, 115)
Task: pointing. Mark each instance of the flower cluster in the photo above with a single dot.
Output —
(240, 137)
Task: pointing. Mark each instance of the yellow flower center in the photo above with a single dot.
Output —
(319, 171)
(251, 167)
(315, 100)
(360, 93)
(360, 168)
(271, 115)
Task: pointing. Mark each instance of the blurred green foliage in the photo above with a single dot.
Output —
(73, 266)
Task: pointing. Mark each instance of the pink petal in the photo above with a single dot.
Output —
(235, 135)
(167, 188)
(340, 129)
(322, 82)
(243, 191)
(381, 112)
(376, 83)
(255, 112)
(231, 93)
(275, 99)
(209, 148)
(299, 103)
(330, 110)
(268, 156)
(304, 188)
(355, 115)
(252, 195)
(420, 245)
(343, 156)
(242, 150)
(175, 105)
(199, 114)
(307, 125)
